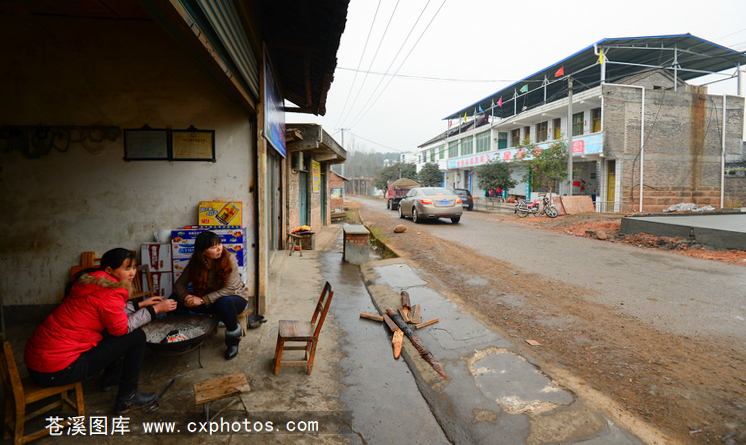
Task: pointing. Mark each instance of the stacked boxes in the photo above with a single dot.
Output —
(158, 258)
(182, 246)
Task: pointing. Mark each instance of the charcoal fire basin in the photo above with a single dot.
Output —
(195, 329)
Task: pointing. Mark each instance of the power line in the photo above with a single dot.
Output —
(362, 53)
(343, 116)
(402, 63)
(435, 79)
(377, 143)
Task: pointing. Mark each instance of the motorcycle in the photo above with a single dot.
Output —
(540, 207)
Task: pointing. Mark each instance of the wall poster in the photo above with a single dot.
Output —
(316, 174)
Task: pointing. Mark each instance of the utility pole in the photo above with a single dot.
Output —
(343, 146)
(569, 136)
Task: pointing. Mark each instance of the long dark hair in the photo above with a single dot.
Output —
(113, 258)
(198, 270)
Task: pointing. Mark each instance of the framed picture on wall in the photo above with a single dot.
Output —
(193, 145)
(145, 144)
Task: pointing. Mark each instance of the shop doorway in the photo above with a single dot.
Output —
(611, 182)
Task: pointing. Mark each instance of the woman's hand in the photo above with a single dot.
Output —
(164, 306)
(193, 301)
(150, 301)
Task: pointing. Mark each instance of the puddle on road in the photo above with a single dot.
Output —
(517, 385)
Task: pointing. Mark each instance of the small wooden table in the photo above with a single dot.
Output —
(220, 388)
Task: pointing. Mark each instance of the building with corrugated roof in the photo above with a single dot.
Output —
(642, 138)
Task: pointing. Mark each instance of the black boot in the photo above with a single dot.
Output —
(232, 339)
(133, 401)
(112, 376)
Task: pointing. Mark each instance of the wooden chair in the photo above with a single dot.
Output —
(87, 261)
(142, 277)
(303, 332)
(21, 393)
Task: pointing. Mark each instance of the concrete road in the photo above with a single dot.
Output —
(675, 293)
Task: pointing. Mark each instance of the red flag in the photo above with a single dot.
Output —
(500, 102)
(449, 123)
(560, 72)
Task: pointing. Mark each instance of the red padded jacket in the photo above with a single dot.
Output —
(96, 302)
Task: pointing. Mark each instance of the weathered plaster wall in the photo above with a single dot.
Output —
(85, 72)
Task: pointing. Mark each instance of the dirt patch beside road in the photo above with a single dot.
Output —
(694, 390)
(577, 225)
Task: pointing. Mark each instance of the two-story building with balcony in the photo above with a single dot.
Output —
(641, 137)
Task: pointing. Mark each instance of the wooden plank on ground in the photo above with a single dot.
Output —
(390, 323)
(415, 315)
(427, 323)
(370, 316)
(404, 313)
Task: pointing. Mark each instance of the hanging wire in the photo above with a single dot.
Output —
(362, 114)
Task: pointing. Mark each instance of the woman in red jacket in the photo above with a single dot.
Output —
(95, 328)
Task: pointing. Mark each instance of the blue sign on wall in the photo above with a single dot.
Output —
(274, 111)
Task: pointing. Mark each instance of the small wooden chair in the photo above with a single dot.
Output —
(21, 393)
(303, 332)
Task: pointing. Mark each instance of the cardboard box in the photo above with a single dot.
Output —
(178, 266)
(215, 213)
(228, 235)
(157, 256)
(185, 251)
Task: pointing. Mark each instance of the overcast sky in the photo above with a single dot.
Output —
(446, 55)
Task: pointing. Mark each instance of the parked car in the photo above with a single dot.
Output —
(466, 200)
(431, 203)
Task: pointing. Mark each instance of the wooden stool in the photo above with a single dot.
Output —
(241, 317)
(293, 241)
(220, 388)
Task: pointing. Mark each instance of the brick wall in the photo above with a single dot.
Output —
(682, 143)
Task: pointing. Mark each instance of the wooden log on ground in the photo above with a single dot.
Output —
(416, 341)
(405, 299)
(370, 316)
